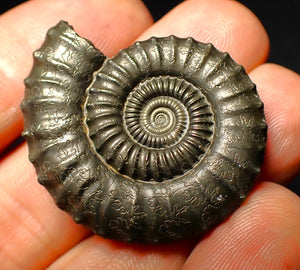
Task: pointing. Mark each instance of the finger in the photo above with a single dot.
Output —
(227, 24)
(111, 25)
(279, 89)
(106, 254)
(33, 231)
(262, 234)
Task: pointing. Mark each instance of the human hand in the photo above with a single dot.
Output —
(264, 233)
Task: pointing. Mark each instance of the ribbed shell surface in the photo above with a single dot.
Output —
(159, 143)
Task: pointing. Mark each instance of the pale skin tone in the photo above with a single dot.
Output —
(264, 233)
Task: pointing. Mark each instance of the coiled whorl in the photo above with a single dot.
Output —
(159, 143)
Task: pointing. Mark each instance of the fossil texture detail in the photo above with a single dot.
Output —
(158, 143)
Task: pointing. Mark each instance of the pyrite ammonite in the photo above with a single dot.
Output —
(161, 142)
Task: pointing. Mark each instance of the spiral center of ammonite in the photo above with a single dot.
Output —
(159, 129)
(162, 121)
(162, 118)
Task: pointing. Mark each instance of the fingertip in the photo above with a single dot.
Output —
(279, 89)
(115, 24)
(33, 231)
(227, 24)
(262, 234)
(107, 254)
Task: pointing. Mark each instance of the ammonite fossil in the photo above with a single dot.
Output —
(161, 142)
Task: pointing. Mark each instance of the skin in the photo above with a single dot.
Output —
(264, 233)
